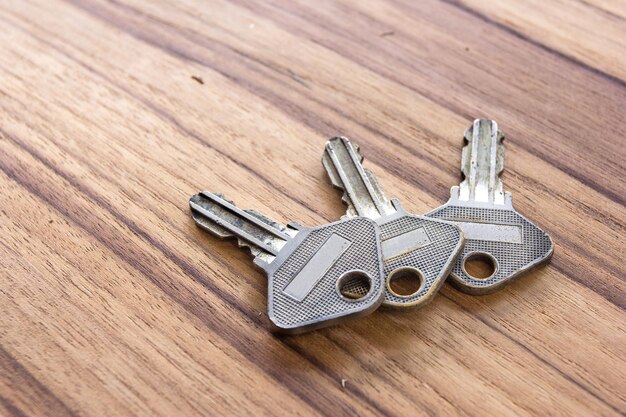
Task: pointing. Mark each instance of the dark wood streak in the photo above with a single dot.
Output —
(23, 381)
(541, 359)
(573, 272)
(561, 55)
(603, 11)
(371, 369)
(11, 408)
(380, 408)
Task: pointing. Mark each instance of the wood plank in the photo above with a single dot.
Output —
(115, 303)
(574, 38)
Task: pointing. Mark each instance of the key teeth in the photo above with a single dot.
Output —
(335, 180)
(220, 232)
(243, 245)
(350, 210)
(332, 172)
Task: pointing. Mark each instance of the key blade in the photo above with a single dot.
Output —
(482, 163)
(362, 193)
(220, 217)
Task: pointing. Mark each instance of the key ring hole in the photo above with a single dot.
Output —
(405, 282)
(354, 285)
(480, 265)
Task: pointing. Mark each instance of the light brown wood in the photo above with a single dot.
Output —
(114, 112)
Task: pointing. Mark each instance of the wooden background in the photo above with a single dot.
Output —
(113, 303)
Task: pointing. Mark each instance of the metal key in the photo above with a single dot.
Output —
(415, 248)
(308, 269)
(495, 234)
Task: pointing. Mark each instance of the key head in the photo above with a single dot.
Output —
(507, 244)
(307, 278)
(418, 254)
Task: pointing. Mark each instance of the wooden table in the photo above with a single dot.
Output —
(114, 112)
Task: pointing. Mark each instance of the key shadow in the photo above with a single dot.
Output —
(451, 324)
(385, 330)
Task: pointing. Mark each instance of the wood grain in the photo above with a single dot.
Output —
(114, 303)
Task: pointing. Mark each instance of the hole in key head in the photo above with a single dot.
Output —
(480, 265)
(354, 285)
(405, 282)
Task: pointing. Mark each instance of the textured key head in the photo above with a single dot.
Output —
(507, 242)
(307, 278)
(418, 251)
(418, 254)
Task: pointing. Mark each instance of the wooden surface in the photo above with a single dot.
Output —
(113, 113)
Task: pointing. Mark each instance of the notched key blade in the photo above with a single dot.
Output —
(362, 193)
(262, 236)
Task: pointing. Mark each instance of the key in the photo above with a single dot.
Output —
(498, 238)
(308, 269)
(418, 252)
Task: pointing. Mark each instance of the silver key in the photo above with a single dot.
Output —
(416, 250)
(308, 269)
(495, 234)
